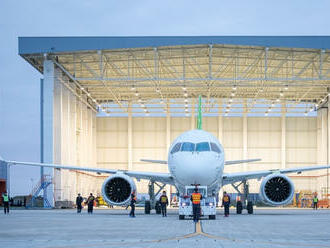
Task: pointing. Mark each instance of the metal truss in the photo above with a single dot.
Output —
(181, 73)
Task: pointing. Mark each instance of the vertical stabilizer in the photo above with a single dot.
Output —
(199, 118)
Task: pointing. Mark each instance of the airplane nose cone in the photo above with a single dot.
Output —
(197, 169)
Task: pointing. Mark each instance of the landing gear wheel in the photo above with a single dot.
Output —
(158, 208)
(239, 207)
(249, 207)
(211, 217)
(147, 207)
(181, 217)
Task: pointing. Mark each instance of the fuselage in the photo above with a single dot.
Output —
(196, 157)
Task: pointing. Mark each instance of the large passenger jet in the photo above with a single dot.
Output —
(196, 157)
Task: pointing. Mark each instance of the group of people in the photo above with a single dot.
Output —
(89, 202)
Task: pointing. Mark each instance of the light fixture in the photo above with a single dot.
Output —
(88, 94)
(185, 94)
(161, 101)
(139, 100)
(145, 110)
(269, 109)
(82, 88)
(230, 100)
(286, 87)
(277, 100)
(311, 109)
(186, 100)
(266, 113)
(186, 105)
(316, 105)
(157, 90)
(94, 100)
(147, 113)
(137, 93)
(186, 110)
(232, 94)
(261, 90)
(305, 113)
(184, 88)
(234, 88)
(133, 88)
(281, 93)
(273, 104)
(226, 114)
(229, 105)
(187, 114)
(142, 105)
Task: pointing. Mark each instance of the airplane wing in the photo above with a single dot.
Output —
(155, 176)
(154, 161)
(229, 178)
(241, 161)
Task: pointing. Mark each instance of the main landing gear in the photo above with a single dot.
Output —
(244, 203)
(153, 203)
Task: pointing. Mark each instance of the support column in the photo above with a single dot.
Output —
(168, 143)
(283, 139)
(48, 121)
(220, 122)
(245, 139)
(129, 136)
(192, 119)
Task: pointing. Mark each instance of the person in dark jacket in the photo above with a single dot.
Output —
(226, 203)
(90, 203)
(132, 204)
(79, 201)
(5, 202)
(163, 203)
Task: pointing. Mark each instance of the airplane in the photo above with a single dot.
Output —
(196, 157)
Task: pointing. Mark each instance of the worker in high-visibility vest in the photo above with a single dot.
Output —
(132, 204)
(163, 203)
(315, 202)
(196, 198)
(5, 202)
(226, 203)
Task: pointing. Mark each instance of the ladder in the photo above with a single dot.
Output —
(44, 182)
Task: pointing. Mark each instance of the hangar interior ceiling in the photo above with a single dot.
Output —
(232, 79)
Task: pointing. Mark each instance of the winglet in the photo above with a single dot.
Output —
(199, 118)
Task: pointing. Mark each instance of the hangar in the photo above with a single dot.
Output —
(108, 102)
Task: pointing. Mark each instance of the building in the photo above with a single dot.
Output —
(110, 101)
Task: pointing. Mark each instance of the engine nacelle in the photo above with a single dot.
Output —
(116, 189)
(276, 190)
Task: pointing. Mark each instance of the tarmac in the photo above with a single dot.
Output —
(277, 227)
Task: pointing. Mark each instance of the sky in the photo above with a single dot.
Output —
(20, 82)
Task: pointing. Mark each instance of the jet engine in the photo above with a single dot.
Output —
(276, 190)
(116, 189)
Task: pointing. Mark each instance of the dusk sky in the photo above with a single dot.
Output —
(19, 82)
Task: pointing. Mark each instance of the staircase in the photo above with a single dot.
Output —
(41, 185)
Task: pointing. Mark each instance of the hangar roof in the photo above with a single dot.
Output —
(115, 72)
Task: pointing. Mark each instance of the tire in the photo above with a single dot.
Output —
(249, 207)
(212, 217)
(239, 207)
(181, 217)
(158, 208)
(147, 207)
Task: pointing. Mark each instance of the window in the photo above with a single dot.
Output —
(176, 148)
(215, 148)
(187, 147)
(202, 147)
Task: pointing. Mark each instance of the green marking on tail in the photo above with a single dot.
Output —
(199, 118)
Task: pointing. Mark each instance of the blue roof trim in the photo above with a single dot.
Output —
(33, 45)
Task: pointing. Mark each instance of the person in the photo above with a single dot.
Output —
(5, 202)
(226, 203)
(132, 204)
(196, 198)
(315, 202)
(79, 201)
(90, 203)
(163, 203)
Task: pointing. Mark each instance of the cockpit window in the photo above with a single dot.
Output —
(176, 148)
(187, 147)
(215, 148)
(202, 147)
